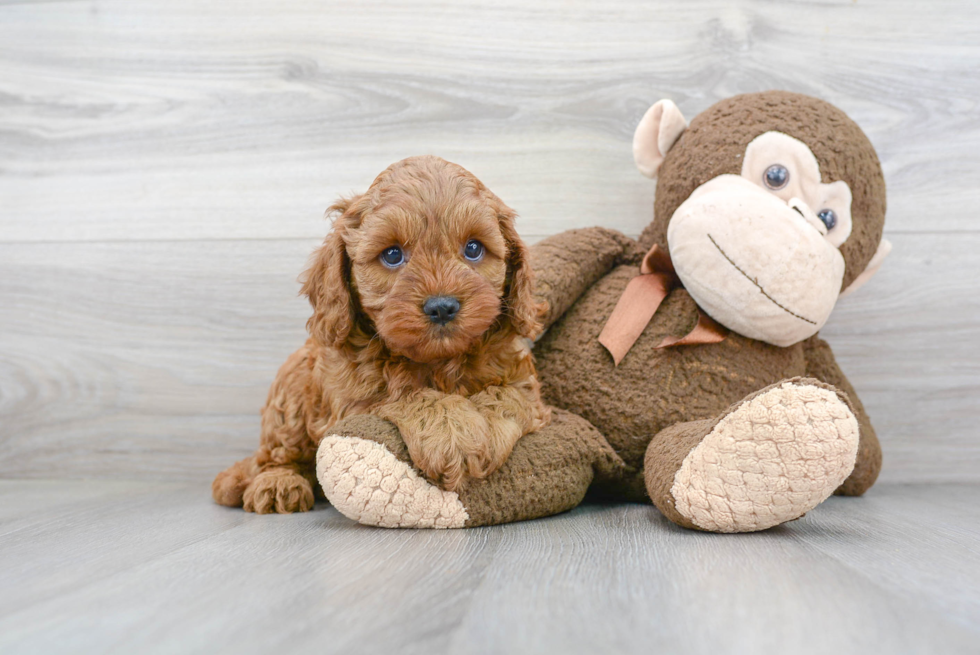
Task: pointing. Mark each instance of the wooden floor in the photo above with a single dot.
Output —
(141, 568)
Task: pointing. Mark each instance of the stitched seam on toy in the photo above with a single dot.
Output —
(759, 286)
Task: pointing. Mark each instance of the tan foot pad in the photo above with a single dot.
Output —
(365, 482)
(771, 460)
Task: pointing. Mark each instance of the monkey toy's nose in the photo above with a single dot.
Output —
(441, 309)
(808, 214)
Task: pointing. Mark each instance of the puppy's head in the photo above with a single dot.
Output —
(428, 259)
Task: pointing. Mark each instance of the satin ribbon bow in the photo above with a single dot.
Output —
(639, 303)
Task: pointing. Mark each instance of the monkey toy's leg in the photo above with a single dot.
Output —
(279, 477)
(820, 364)
(366, 473)
(768, 459)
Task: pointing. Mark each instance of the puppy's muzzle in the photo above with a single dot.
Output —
(441, 309)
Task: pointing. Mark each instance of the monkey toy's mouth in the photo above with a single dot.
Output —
(753, 263)
(756, 283)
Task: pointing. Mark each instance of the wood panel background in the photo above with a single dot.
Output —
(164, 168)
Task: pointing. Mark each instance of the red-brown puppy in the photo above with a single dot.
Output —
(422, 303)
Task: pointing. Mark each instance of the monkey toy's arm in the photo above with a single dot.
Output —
(820, 364)
(567, 264)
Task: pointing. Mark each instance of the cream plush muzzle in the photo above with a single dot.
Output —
(753, 263)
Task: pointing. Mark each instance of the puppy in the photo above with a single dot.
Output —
(422, 307)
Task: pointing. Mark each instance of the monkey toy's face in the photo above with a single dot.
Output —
(758, 241)
(759, 250)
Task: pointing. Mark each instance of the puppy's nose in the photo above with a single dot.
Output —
(441, 309)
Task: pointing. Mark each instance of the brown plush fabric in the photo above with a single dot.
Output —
(714, 143)
(548, 472)
(567, 264)
(820, 363)
(652, 388)
(663, 459)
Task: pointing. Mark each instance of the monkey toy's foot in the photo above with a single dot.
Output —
(769, 459)
(368, 484)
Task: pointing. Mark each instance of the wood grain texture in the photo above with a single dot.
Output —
(142, 360)
(157, 568)
(164, 168)
(176, 120)
(151, 360)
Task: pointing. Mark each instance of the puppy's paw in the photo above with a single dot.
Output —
(450, 463)
(278, 490)
(229, 486)
(448, 438)
(502, 436)
(510, 413)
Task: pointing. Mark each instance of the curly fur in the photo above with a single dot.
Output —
(461, 394)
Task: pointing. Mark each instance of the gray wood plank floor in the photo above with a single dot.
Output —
(157, 568)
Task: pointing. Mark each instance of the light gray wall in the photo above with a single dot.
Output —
(164, 168)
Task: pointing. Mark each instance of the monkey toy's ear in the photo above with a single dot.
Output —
(659, 128)
(884, 248)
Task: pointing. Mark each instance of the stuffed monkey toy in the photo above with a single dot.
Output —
(685, 367)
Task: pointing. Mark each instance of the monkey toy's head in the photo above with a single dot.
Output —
(771, 206)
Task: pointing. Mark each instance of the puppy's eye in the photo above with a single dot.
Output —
(828, 217)
(473, 250)
(392, 257)
(776, 176)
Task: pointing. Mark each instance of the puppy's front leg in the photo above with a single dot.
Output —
(510, 412)
(447, 436)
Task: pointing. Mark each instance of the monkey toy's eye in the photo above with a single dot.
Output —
(392, 257)
(776, 176)
(473, 250)
(828, 217)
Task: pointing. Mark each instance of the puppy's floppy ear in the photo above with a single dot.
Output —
(326, 282)
(525, 314)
